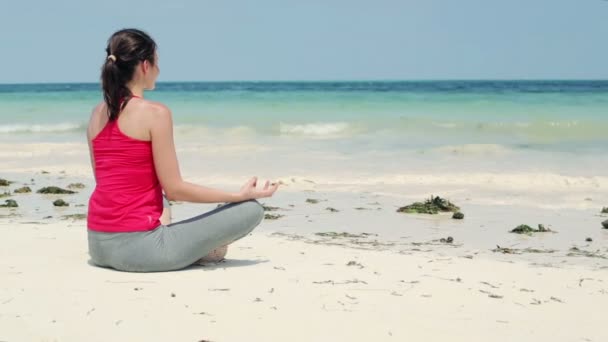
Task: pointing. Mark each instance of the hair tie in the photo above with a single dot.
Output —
(112, 57)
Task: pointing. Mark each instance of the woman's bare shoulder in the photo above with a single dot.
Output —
(97, 120)
(156, 107)
(99, 109)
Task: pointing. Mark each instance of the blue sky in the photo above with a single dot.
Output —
(203, 40)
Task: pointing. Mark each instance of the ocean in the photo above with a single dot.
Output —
(562, 115)
(543, 122)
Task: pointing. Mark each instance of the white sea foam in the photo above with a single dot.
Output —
(45, 128)
(328, 129)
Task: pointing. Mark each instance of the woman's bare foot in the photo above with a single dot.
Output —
(215, 255)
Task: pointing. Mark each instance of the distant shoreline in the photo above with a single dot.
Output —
(514, 80)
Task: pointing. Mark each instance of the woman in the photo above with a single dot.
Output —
(134, 161)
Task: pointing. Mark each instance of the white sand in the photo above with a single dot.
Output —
(272, 289)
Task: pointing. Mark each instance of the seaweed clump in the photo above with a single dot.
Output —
(272, 216)
(60, 203)
(525, 229)
(23, 190)
(74, 217)
(9, 203)
(54, 190)
(431, 206)
(76, 186)
(335, 235)
(269, 208)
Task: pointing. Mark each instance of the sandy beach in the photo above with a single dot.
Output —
(334, 261)
(276, 289)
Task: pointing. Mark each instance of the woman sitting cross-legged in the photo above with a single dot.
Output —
(134, 160)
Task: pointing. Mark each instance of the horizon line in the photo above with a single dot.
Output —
(345, 81)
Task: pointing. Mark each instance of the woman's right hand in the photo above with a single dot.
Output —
(250, 191)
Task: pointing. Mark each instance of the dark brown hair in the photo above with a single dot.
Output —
(126, 48)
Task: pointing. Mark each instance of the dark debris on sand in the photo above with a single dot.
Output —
(60, 203)
(74, 217)
(54, 190)
(335, 235)
(458, 215)
(9, 203)
(23, 190)
(431, 206)
(449, 239)
(270, 208)
(575, 251)
(76, 186)
(4, 182)
(272, 216)
(605, 224)
(525, 229)
(507, 250)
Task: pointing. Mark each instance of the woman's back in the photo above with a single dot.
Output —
(128, 195)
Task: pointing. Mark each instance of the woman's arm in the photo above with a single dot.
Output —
(90, 137)
(91, 154)
(167, 168)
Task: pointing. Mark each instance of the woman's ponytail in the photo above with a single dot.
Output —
(126, 49)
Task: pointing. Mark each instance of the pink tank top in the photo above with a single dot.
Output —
(128, 195)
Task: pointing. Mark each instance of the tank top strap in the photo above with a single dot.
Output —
(123, 99)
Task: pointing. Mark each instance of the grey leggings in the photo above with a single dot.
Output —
(177, 245)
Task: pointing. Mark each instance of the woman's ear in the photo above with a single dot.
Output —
(145, 66)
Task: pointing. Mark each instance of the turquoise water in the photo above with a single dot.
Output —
(562, 115)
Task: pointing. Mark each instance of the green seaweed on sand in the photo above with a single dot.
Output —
(575, 251)
(60, 203)
(76, 186)
(5, 194)
(4, 182)
(23, 190)
(458, 215)
(9, 203)
(507, 250)
(54, 190)
(312, 201)
(334, 235)
(605, 224)
(272, 216)
(354, 263)
(525, 229)
(333, 210)
(74, 217)
(431, 206)
(269, 208)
